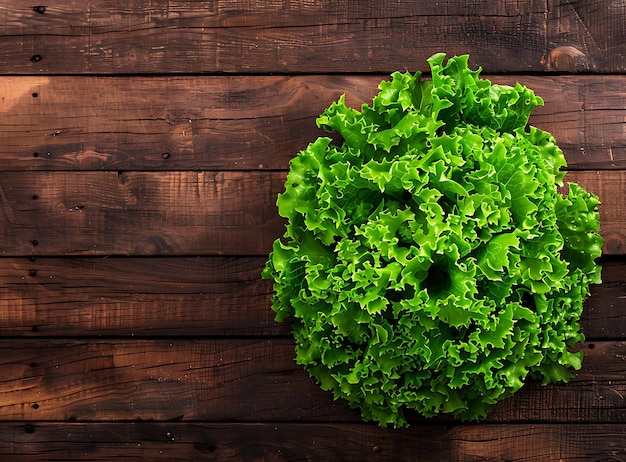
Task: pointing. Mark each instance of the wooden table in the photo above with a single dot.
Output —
(142, 146)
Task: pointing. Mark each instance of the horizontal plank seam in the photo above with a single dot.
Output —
(280, 73)
(350, 423)
(251, 170)
(150, 337)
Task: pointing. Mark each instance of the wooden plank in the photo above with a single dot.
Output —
(103, 36)
(246, 380)
(187, 297)
(215, 380)
(249, 123)
(138, 213)
(604, 315)
(288, 441)
(165, 123)
(184, 213)
(135, 296)
(165, 36)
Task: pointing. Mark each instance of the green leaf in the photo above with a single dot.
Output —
(497, 251)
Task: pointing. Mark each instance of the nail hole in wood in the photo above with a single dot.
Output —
(35, 154)
(591, 346)
(29, 429)
(35, 406)
(33, 365)
(35, 197)
(35, 95)
(35, 58)
(41, 9)
(32, 273)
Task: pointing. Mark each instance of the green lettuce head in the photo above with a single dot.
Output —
(429, 262)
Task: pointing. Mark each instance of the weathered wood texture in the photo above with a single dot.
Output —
(242, 123)
(108, 36)
(247, 380)
(279, 442)
(210, 296)
(586, 36)
(138, 213)
(138, 296)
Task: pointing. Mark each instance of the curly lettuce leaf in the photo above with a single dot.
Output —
(429, 262)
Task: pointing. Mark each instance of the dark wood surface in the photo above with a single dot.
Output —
(242, 123)
(170, 441)
(139, 213)
(142, 146)
(329, 36)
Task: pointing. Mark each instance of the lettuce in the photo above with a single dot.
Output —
(429, 262)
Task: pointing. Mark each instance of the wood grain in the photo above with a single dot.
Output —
(165, 123)
(605, 311)
(196, 442)
(249, 123)
(108, 36)
(587, 35)
(183, 36)
(209, 296)
(135, 297)
(138, 213)
(247, 380)
(215, 380)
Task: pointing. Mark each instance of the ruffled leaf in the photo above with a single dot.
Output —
(428, 261)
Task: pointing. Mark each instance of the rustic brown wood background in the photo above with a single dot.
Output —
(142, 146)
